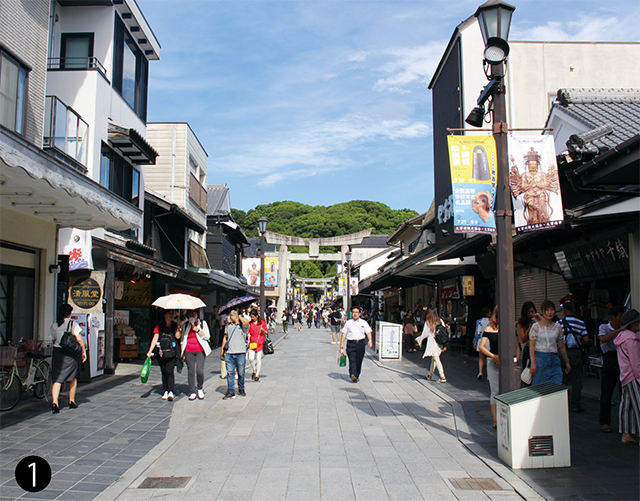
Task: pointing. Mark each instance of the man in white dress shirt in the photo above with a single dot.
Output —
(356, 332)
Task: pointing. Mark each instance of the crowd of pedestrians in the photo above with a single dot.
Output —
(559, 350)
(555, 349)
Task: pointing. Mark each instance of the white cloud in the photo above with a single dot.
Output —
(409, 66)
(586, 28)
(316, 148)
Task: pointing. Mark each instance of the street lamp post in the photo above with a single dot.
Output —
(494, 18)
(347, 256)
(262, 228)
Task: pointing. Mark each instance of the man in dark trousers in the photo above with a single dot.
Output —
(576, 339)
(355, 332)
(610, 370)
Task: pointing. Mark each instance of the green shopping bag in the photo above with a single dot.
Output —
(146, 369)
(343, 360)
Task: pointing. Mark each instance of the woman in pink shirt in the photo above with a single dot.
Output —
(628, 344)
(257, 330)
(195, 348)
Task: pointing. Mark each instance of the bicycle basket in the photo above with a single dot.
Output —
(7, 355)
(31, 345)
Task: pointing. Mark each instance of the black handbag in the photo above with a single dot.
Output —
(69, 343)
(267, 347)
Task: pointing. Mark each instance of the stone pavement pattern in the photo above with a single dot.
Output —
(305, 431)
(601, 467)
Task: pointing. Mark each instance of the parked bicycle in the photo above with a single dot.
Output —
(23, 368)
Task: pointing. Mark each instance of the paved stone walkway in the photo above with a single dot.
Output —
(305, 431)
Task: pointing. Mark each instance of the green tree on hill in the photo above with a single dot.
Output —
(306, 221)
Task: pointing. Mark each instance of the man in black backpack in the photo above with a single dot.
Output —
(576, 339)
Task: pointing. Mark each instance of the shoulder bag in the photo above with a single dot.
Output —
(583, 350)
(267, 347)
(69, 343)
(526, 375)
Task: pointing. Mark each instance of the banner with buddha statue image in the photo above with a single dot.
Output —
(535, 186)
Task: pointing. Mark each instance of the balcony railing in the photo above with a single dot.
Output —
(64, 130)
(76, 63)
(197, 193)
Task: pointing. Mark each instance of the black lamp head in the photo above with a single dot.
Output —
(476, 117)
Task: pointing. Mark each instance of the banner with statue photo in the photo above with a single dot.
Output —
(271, 271)
(535, 186)
(473, 163)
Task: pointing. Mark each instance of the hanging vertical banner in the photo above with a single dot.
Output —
(77, 245)
(270, 271)
(342, 286)
(251, 270)
(535, 187)
(354, 283)
(473, 183)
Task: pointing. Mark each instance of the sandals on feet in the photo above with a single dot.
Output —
(442, 380)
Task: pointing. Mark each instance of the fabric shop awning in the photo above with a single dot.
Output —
(131, 145)
(35, 183)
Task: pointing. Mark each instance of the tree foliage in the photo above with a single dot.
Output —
(306, 221)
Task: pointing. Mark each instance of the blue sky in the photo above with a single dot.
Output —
(326, 101)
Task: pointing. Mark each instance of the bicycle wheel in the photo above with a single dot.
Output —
(42, 379)
(10, 389)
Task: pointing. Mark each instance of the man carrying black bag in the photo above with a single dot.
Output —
(610, 373)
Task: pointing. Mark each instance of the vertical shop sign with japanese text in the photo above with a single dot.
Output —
(535, 187)
(473, 183)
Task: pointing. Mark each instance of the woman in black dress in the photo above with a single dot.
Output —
(64, 365)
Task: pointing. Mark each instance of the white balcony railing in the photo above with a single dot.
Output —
(64, 130)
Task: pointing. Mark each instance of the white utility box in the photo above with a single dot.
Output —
(533, 427)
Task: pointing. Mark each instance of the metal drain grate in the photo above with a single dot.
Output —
(475, 484)
(164, 482)
(380, 381)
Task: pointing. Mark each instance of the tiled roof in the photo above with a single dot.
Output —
(597, 107)
(218, 201)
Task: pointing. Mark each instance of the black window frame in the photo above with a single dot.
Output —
(63, 49)
(121, 37)
(21, 66)
(120, 178)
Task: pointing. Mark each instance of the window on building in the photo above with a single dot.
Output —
(119, 176)
(13, 88)
(130, 70)
(76, 50)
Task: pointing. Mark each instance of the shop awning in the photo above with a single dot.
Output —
(472, 246)
(124, 255)
(131, 145)
(39, 185)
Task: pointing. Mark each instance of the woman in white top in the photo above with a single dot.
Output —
(545, 339)
(64, 365)
(433, 349)
(195, 348)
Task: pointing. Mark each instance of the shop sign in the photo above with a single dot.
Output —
(446, 293)
(603, 256)
(468, 285)
(473, 166)
(86, 293)
(450, 293)
(136, 294)
(535, 187)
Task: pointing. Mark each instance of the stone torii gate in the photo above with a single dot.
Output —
(313, 244)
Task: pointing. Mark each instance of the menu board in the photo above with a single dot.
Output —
(389, 338)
